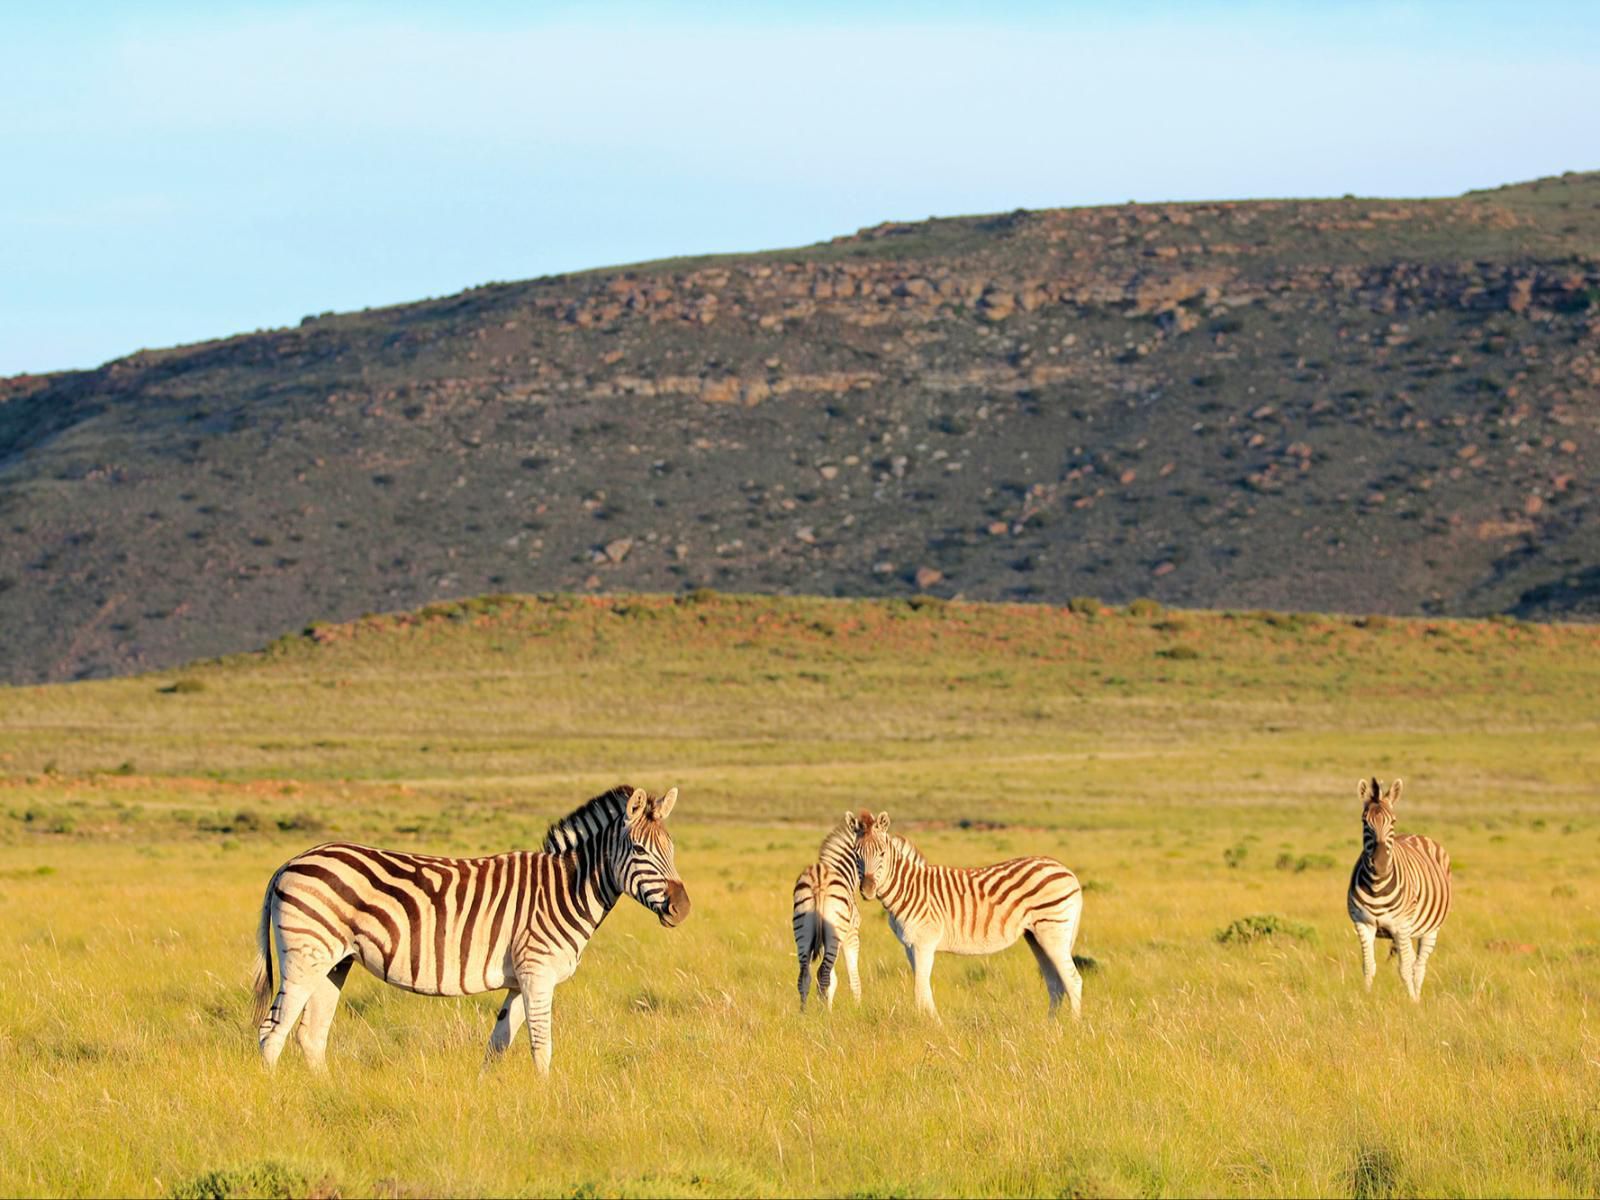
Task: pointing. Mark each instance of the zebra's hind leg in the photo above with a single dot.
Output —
(317, 1020)
(510, 1019)
(1051, 944)
(286, 1007)
(805, 940)
(827, 981)
(1369, 958)
(1421, 968)
(852, 948)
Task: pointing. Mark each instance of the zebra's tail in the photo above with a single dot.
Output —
(262, 983)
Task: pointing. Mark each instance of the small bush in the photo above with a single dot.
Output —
(922, 602)
(302, 823)
(268, 1180)
(700, 595)
(1246, 930)
(1144, 607)
(183, 687)
(1084, 606)
(1181, 653)
(1235, 855)
(1376, 1174)
(1305, 862)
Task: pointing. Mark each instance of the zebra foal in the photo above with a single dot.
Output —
(978, 910)
(826, 916)
(1400, 888)
(459, 926)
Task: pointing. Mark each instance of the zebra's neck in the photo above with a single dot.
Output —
(594, 894)
(1379, 855)
(838, 852)
(906, 866)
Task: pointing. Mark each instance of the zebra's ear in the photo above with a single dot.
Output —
(1366, 790)
(851, 825)
(881, 821)
(664, 805)
(636, 804)
(1392, 796)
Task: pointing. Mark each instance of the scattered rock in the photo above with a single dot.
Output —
(1164, 567)
(926, 577)
(883, 568)
(617, 550)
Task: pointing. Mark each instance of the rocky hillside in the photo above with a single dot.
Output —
(1359, 405)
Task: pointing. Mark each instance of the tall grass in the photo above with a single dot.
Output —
(128, 900)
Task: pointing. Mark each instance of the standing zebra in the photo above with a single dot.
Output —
(826, 917)
(972, 910)
(1400, 888)
(459, 926)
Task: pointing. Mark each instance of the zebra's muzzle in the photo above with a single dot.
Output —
(869, 889)
(677, 906)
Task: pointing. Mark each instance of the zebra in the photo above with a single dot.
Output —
(1400, 889)
(826, 916)
(459, 926)
(972, 910)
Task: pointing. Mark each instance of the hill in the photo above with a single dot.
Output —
(1358, 405)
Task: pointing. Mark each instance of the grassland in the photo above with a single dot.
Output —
(1195, 768)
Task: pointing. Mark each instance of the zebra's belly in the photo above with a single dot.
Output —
(428, 981)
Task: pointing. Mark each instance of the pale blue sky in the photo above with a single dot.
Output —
(176, 171)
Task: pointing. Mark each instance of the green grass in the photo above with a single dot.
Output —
(138, 827)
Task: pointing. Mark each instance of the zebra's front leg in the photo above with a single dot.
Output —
(1369, 958)
(1426, 949)
(1408, 964)
(539, 992)
(922, 965)
(506, 1024)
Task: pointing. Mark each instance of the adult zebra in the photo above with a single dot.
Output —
(826, 916)
(1400, 888)
(978, 910)
(459, 926)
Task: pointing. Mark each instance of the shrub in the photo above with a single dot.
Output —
(1253, 929)
(1184, 653)
(1145, 607)
(270, 1180)
(1235, 855)
(302, 822)
(921, 601)
(1084, 606)
(186, 686)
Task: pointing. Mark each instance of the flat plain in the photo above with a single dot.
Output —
(1196, 770)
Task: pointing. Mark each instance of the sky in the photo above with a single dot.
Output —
(173, 171)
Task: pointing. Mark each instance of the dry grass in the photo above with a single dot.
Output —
(128, 901)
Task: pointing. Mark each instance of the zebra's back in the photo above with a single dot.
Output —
(983, 909)
(440, 926)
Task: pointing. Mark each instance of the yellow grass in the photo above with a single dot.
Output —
(128, 904)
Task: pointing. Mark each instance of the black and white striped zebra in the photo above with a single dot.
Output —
(972, 910)
(1400, 888)
(459, 926)
(826, 916)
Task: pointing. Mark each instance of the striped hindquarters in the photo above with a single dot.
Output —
(1414, 896)
(823, 896)
(442, 926)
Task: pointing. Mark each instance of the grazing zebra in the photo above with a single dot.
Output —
(459, 926)
(1400, 888)
(971, 910)
(826, 917)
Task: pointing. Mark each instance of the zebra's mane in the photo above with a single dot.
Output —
(840, 841)
(908, 850)
(584, 822)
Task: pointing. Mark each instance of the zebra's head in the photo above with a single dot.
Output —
(1377, 811)
(873, 858)
(642, 863)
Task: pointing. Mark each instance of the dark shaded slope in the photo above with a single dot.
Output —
(1360, 405)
